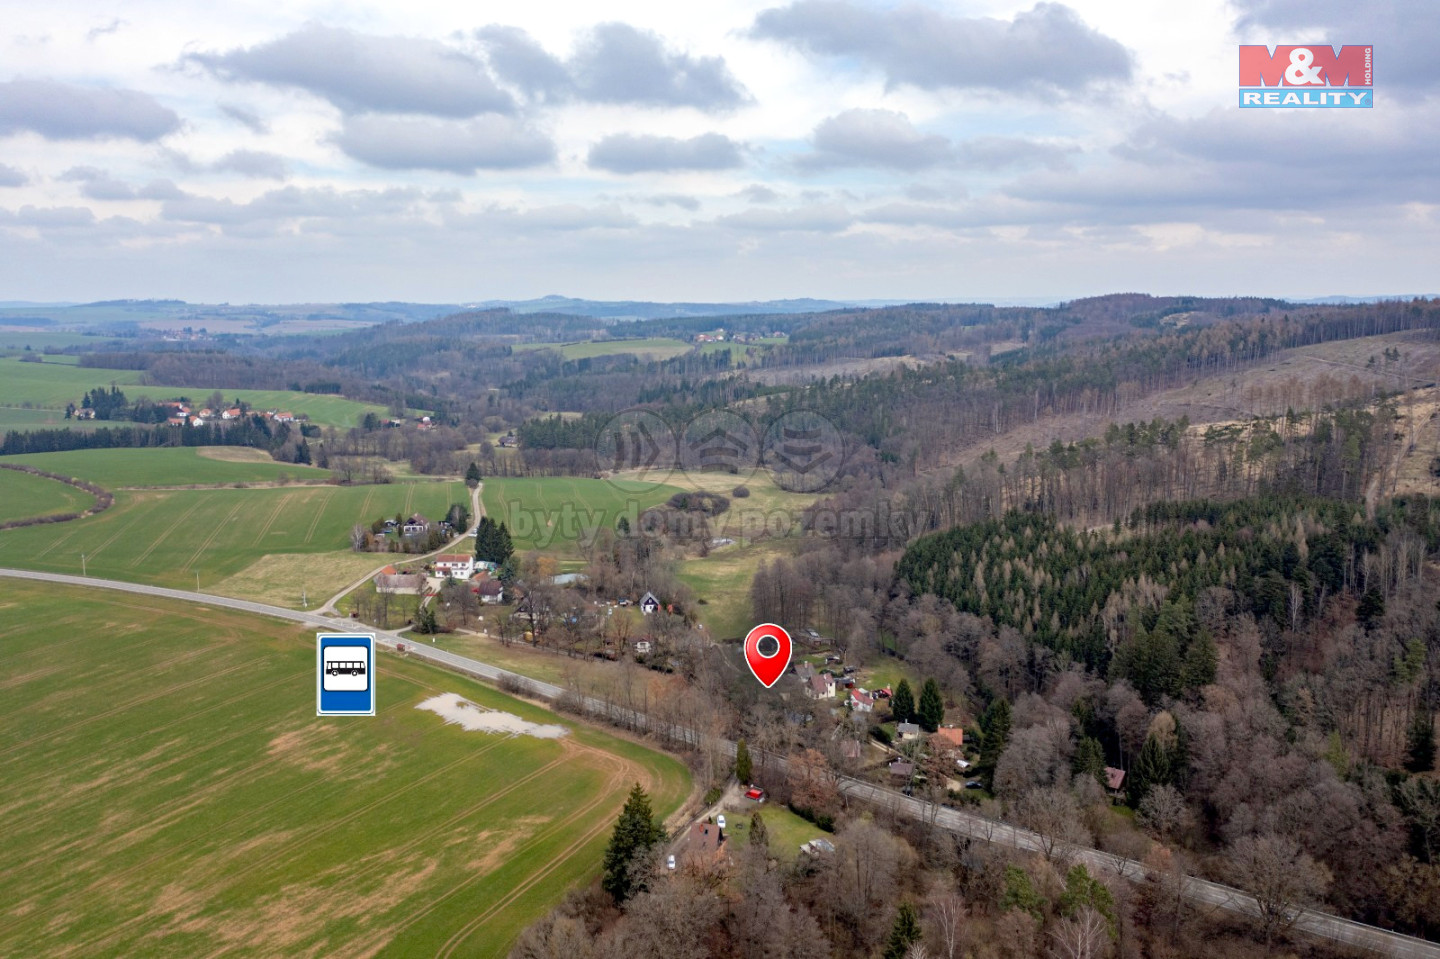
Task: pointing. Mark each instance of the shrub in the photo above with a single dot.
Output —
(741, 492)
(712, 795)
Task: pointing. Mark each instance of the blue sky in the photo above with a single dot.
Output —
(726, 151)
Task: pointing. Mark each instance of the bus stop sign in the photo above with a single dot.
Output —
(344, 674)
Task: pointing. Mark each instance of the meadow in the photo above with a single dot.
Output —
(553, 512)
(180, 797)
(55, 384)
(651, 348)
(20, 418)
(23, 495)
(169, 466)
(167, 537)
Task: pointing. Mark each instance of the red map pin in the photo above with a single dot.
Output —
(767, 650)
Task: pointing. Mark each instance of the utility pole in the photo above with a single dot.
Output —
(82, 565)
(197, 581)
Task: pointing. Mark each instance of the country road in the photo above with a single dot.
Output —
(1202, 892)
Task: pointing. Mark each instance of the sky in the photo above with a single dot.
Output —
(431, 151)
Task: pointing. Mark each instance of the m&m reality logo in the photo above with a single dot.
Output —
(1309, 76)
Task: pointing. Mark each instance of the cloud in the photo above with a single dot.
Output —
(816, 218)
(97, 184)
(358, 72)
(681, 200)
(59, 111)
(9, 176)
(758, 193)
(245, 118)
(882, 138)
(1045, 48)
(517, 58)
(292, 203)
(48, 217)
(632, 153)
(255, 164)
(113, 26)
(617, 63)
(488, 143)
(998, 153)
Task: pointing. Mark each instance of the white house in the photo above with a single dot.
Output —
(860, 702)
(490, 591)
(648, 603)
(821, 686)
(416, 525)
(456, 565)
(907, 730)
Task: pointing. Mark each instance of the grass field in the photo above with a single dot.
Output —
(180, 797)
(553, 512)
(18, 418)
(55, 384)
(165, 537)
(785, 832)
(13, 340)
(651, 348)
(23, 495)
(179, 466)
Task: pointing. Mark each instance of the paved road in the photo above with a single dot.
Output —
(1319, 924)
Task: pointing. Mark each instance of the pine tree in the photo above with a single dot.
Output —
(902, 702)
(1089, 760)
(1153, 767)
(504, 548)
(636, 833)
(472, 475)
(932, 706)
(905, 933)
(743, 767)
(996, 725)
(759, 835)
(1420, 757)
(425, 621)
(1201, 661)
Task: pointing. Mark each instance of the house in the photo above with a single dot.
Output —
(805, 671)
(648, 603)
(456, 565)
(952, 736)
(176, 420)
(852, 750)
(705, 839)
(860, 702)
(283, 417)
(416, 525)
(821, 686)
(901, 769)
(642, 647)
(233, 413)
(1115, 781)
(490, 591)
(402, 584)
(907, 730)
(882, 693)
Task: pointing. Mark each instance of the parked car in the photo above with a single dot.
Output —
(974, 784)
(755, 794)
(670, 862)
(832, 658)
(851, 669)
(720, 820)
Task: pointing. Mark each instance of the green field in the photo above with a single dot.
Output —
(165, 537)
(177, 466)
(55, 384)
(553, 512)
(18, 418)
(13, 340)
(651, 348)
(23, 495)
(179, 796)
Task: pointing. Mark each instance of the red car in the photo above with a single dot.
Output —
(755, 793)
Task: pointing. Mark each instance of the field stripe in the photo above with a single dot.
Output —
(555, 861)
(315, 523)
(199, 501)
(118, 533)
(365, 507)
(219, 528)
(280, 502)
(57, 542)
(409, 498)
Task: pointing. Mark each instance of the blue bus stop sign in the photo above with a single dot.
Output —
(344, 674)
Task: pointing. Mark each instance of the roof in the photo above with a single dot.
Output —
(861, 698)
(649, 600)
(953, 735)
(1114, 778)
(804, 671)
(490, 587)
(907, 729)
(454, 558)
(706, 837)
(899, 767)
(816, 846)
(820, 685)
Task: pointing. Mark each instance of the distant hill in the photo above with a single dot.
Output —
(645, 310)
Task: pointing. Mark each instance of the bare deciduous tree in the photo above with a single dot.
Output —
(1086, 935)
(1282, 878)
(945, 913)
